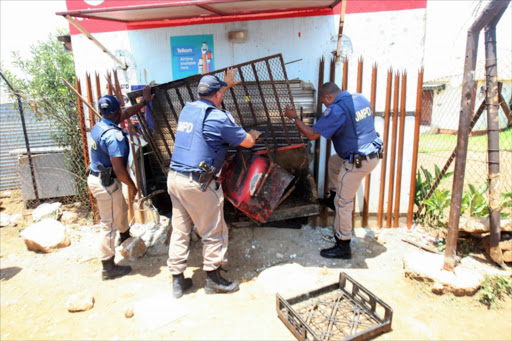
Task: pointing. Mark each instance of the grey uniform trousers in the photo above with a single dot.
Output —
(113, 211)
(205, 210)
(348, 182)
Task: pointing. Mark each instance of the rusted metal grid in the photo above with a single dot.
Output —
(260, 98)
(340, 311)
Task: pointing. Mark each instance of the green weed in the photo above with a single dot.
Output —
(493, 290)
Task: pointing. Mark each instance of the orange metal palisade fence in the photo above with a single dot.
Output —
(393, 134)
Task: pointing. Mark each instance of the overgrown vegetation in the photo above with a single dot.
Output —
(439, 200)
(493, 290)
(474, 203)
(42, 88)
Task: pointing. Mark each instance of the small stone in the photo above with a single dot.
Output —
(69, 217)
(128, 312)
(438, 288)
(279, 255)
(17, 219)
(5, 219)
(325, 270)
(6, 194)
(80, 302)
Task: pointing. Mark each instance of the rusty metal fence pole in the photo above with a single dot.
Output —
(493, 147)
(385, 139)
(414, 165)
(392, 151)
(25, 134)
(400, 150)
(467, 102)
(364, 221)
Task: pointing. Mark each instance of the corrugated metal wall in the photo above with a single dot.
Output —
(11, 138)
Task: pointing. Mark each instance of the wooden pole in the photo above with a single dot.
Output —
(84, 141)
(340, 29)
(81, 98)
(96, 42)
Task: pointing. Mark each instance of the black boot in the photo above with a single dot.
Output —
(111, 270)
(123, 236)
(340, 250)
(215, 284)
(180, 284)
(329, 202)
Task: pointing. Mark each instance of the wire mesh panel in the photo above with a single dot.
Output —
(260, 98)
(54, 170)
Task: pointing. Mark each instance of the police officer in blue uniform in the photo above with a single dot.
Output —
(109, 152)
(203, 136)
(348, 121)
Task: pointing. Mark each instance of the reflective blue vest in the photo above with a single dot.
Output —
(99, 149)
(359, 129)
(190, 148)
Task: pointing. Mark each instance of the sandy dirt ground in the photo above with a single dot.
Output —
(266, 260)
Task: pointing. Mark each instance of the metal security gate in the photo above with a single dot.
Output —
(258, 102)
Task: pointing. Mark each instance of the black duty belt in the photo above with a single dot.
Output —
(362, 157)
(370, 156)
(194, 175)
(98, 174)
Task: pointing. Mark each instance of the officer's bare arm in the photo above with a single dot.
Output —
(123, 176)
(146, 95)
(250, 139)
(309, 132)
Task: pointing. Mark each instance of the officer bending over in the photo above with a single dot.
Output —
(109, 157)
(348, 121)
(203, 136)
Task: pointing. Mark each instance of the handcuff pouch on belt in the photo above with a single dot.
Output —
(106, 177)
(355, 158)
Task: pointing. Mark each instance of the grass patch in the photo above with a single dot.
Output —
(447, 143)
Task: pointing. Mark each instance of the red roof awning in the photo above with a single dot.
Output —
(144, 11)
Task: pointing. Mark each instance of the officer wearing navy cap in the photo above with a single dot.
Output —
(109, 152)
(348, 121)
(203, 136)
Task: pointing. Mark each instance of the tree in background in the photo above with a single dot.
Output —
(38, 80)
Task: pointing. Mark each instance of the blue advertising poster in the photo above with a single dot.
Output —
(191, 55)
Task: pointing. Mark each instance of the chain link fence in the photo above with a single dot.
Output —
(38, 160)
(441, 106)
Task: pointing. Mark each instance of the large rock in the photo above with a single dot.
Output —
(429, 267)
(46, 235)
(152, 233)
(46, 210)
(133, 248)
(505, 246)
(80, 302)
(475, 225)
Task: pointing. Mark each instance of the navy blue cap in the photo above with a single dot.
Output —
(209, 84)
(108, 104)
